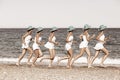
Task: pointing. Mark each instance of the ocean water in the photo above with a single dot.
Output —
(10, 42)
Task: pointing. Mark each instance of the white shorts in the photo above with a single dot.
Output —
(49, 45)
(83, 44)
(35, 46)
(99, 46)
(68, 46)
(25, 46)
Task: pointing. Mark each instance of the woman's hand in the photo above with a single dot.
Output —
(42, 43)
(103, 42)
(108, 38)
(56, 43)
(68, 41)
(81, 36)
(24, 43)
(75, 42)
(93, 36)
(32, 39)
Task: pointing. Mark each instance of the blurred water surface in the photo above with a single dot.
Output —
(10, 41)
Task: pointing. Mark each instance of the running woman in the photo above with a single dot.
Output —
(37, 42)
(26, 38)
(83, 46)
(68, 47)
(100, 45)
(51, 46)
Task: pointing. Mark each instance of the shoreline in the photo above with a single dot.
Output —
(79, 71)
(82, 60)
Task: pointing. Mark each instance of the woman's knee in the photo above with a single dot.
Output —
(89, 55)
(95, 57)
(107, 53)
(36, 56)
(30, 50)
(41, 55)
(51, 58)
(70, 54)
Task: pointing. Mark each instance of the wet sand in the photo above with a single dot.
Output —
(40, 72)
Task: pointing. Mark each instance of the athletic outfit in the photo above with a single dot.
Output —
(50, 45)
(35, 45)
(27, 41)
(69, 44)
(84, 43)
(99, 45)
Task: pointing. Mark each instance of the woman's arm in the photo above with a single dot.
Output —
(23, 37)
(37, 39)
(106, 39)
(50, 39)
(91, 37)
(87, 37)
(98, 37)
(81, 36)
(67, 39)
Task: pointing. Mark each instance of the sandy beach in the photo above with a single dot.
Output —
(40, 72)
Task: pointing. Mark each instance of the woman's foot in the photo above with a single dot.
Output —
(28, 63)
(102, 65)
(72, 61)
(33, 65)
(58, 61)
(18, 64)
(89, 66)
(68, 67)
(49, 65)
(41, 60)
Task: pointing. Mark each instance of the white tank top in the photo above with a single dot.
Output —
(84, 38)
(53, 39)
(27, 39)
(71, 40)
(102, 38)
(40, 38)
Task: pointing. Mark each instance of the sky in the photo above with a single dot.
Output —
(60, 13)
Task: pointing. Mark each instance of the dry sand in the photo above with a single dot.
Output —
(40, 72)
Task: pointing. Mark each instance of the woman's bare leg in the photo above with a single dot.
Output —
(96, 54)
(70, 55)
(89, 55)
(52, 56)
(40, 53)
(36, 52)
(61, 58)
(21, 56)
(30, 56)
(105, 56)
(45, 57)
(82, 50)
